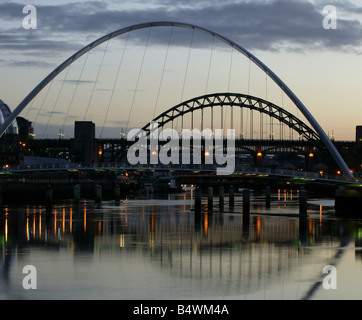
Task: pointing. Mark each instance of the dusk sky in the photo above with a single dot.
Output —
(322, 66)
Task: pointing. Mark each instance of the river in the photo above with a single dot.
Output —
(153, 248)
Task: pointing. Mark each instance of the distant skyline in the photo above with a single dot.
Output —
(322, 66)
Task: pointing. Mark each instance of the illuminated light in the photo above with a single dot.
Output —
(23, 144)
(207, 154)
(6, 229)
(206, 224)
(259, 154)
(63, 220)
(321, 172)
(304, 179)
(311, 155)
(100, 152)
(55, 222)
(85, 219)
(355, 185)
(121, 241)
(152, 231)
(154, 153)
(27, 228)
(70, 220)
(34, 227)
(338, 172)
(258, 226)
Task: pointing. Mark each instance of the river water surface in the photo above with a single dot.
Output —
(156, 248)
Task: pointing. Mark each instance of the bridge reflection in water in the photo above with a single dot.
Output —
(156, 249)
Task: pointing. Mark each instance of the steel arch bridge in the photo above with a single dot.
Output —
(236, 100)
(308, 138)
(322, 135)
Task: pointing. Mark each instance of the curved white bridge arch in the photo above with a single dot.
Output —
(324, 138)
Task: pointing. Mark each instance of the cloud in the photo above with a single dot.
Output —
(31, 43)
(27, 63)
(71, 81)
(257, 25)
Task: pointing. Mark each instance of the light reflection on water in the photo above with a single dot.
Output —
(157, 249)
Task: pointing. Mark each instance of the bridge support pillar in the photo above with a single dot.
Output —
(49, 199)
(98, 192)
(246, 201)
(303, 197)
(267, 197)
(231, 196)
(221, 198)
(76, 194)
(198, 198)
(210, 198)
(117, 193)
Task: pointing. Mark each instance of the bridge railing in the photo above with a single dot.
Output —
(189, 167)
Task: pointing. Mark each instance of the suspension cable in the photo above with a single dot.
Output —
(163, 73)
(230, 67)
(114, 84)
(209, 68)
(138, 79)
(55, 103)
(95, 82)
(42, 104)
(187, 64)
(76, 88)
